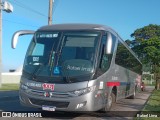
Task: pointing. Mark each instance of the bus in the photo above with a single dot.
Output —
(77, 67)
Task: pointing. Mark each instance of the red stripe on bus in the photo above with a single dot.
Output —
(113, 83)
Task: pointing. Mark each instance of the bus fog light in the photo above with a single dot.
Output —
(80, 105)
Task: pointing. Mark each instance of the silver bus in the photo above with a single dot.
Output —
(77, 67)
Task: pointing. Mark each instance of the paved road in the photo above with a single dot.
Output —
(123, 109)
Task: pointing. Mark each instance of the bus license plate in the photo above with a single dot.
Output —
(48, 108)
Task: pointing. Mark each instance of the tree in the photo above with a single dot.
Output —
(146, 45)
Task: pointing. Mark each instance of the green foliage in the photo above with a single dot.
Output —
(151, 50)
(146, 32)
(146, 45)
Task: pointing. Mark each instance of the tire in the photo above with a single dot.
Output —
(110, 101)
(134, 94)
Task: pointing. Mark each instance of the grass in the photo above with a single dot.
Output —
(154, 102)
(150, 84)
(152, 107)
(9, 87)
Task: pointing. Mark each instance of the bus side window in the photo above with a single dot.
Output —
(126, 59)
(105, 60)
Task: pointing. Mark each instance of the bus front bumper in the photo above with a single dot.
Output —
(86, 102)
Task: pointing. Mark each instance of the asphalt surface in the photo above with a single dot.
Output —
(122, 110)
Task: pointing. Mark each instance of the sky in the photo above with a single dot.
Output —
(124, 16)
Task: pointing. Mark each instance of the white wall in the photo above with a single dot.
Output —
(11, 78)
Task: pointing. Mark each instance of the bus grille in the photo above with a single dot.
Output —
(57, 104)
(53, 94)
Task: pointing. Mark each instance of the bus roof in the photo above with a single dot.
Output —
(74, 27)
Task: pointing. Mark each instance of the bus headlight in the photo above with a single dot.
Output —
(83, 91)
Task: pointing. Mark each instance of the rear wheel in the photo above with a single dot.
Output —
(134, 94)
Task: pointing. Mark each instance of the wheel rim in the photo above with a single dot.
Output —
(134, 92)
(109, 101)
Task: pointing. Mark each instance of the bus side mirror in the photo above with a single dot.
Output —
(109, 43)
(19, 33)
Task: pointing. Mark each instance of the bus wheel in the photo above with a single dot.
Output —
(134, 94)
(109, 102)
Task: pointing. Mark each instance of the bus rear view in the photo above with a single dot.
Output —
(62, 68)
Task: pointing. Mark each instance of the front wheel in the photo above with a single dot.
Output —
(109, 102)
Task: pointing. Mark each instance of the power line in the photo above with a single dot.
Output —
(30, 9)
(15, 15)
(17, 3)
(19, 23)
(27, 8)
(55, 5)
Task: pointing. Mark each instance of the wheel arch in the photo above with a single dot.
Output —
(114, 91)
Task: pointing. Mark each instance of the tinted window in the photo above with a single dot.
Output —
(61, 57)
(78, 53)
(40, 52)
(125, 59)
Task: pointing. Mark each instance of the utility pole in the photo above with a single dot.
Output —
(50, 12)
(0, 43)
(5, 6)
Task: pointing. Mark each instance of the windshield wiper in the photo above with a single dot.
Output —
(58, 54)
(33, 75)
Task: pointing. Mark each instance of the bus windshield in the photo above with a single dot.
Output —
(61, 56)
(78, 53)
